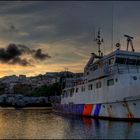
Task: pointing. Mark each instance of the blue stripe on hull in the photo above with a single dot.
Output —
(71, 108)
(74, 109)
(80, 109)
(97, 110)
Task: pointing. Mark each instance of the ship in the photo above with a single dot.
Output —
(110, 87)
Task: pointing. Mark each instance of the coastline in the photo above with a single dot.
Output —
(20, 101)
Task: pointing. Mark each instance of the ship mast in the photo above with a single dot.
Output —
(99, 41)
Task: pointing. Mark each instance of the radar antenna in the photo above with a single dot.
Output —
(99, 41)
(129, 41)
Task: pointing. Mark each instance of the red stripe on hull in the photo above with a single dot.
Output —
(87, 109)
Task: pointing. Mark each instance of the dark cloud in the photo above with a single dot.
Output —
(66, 21)
(12, 55)
(39, 55)
(9, 53)
(19, 61)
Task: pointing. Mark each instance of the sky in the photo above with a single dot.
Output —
(49, 36)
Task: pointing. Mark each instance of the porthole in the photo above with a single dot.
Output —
(134, 77)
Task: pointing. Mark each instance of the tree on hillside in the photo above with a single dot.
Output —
(51, 90)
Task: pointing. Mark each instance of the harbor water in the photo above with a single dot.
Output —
(41, 123)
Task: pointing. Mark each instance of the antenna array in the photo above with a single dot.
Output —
(99, 41)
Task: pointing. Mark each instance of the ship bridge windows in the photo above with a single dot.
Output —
(120, 60)
(131, 61)
(128, 61)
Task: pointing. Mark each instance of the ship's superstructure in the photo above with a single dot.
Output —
(110, 87)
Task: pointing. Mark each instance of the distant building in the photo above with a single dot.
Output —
(2, 88)
(22, 84)
(9, 79)
(51, 73)
(22, 78)
(78, 74)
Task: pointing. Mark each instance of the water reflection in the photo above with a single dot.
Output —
(43, 124)
(102, 129)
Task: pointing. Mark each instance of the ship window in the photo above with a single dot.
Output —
(111, 61)
(90, 87)
(110, 82)
(138, 62)
(76, 89)
(87, 73)
(91, 68)
(72, 90)
(95, 67)
(66, 94)
(71, 94)
(83, 88)
(98, 85)
(62, 95)
(120, 60)
(131, 61)
(134, 77)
